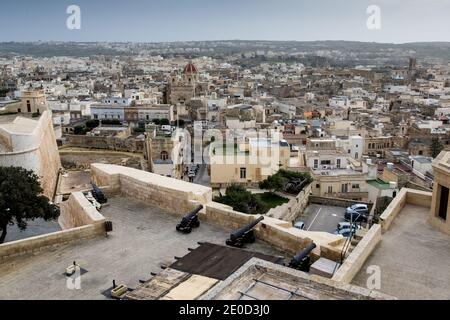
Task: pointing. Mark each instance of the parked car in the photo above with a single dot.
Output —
(346, 225)
(299, 225)
(357, 213)
(346, 233)
(191, 174)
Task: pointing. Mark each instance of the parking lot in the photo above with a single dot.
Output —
(322, 218)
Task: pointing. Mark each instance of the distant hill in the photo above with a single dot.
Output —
(351, 50)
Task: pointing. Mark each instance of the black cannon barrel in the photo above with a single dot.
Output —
(303, 254)
(194, 212)
(191, 214)
(239, 233)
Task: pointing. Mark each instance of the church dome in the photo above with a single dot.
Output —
(190, 68)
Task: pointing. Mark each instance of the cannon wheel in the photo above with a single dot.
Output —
(237, 244)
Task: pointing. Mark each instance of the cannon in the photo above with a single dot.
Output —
(98, 194)
(189, 221)
(295, 186)
(243, 235)
(302, 261)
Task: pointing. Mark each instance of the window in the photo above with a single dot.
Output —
(338, 163)
(325, 162)
(164, 156)
(95, 116)
(344, 188)
(355, 186)
(316, 163)
(243, 173)
(330, 189)
(443, 203)
(317, 186)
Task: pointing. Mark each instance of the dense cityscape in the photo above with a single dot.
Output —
(224, 170)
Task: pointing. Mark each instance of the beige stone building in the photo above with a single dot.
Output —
(334, 171)
(164, 151)
(181, 88)
(440, 206)
(32, 101)
(248, 163)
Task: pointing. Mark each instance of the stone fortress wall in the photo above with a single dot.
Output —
(31, 144)
(179, 197)
(79, 220)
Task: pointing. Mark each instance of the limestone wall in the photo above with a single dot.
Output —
(77, 212)
(224, 216)
(179, 197)
(294, 208)
(34, 149)
(35, 244)
(276, 232)
(354, 262)
(337, 202)
(129, 144)
(49, 160)
(415, 197)
(173, 195)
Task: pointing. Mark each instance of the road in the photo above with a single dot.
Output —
(322, 218)
(202, 176)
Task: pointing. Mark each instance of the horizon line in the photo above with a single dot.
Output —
(217, 40)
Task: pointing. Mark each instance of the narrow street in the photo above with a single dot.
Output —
(202, 177)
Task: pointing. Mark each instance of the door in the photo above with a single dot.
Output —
(443, 203)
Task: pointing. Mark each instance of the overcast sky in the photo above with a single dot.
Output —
(183, 20)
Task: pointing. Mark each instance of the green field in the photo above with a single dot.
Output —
(271, 200)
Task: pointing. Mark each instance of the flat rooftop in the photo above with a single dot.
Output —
(414, 258)
(144, 238)
(259, 280)
(74, 181)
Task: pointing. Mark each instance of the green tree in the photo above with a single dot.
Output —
(21, 199)
(93, 123)
(164, 122)
(436, 147)
(242, 200)
(79, 130)
(179, 123)
(274, 183)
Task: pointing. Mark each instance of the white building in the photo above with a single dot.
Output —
(353, 146)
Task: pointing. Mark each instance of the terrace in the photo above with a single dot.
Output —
(413, 256)
(144, 238)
